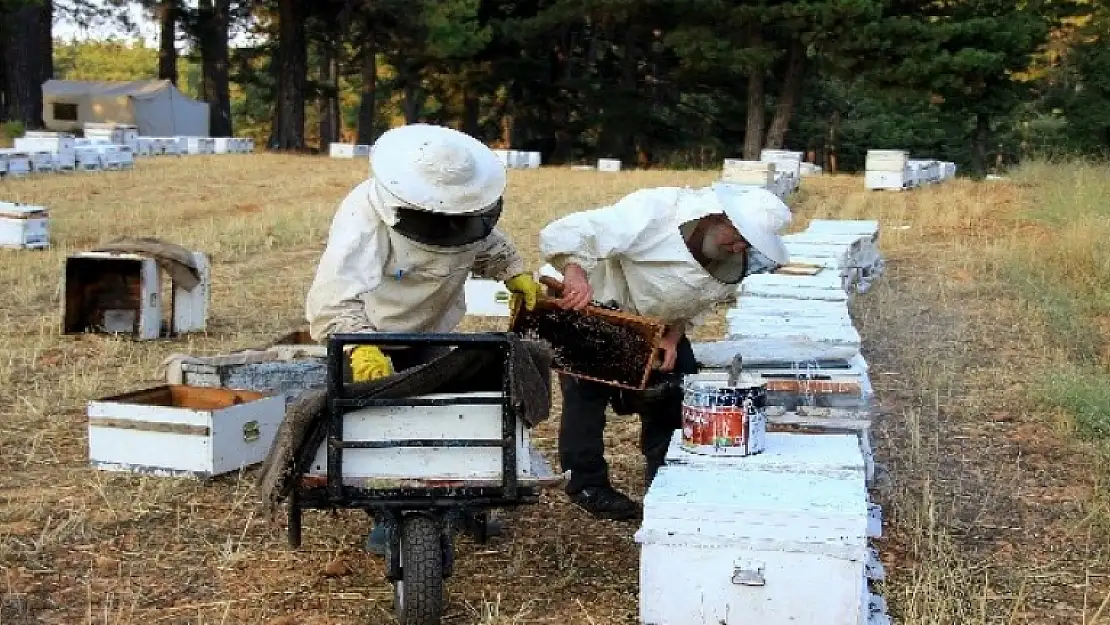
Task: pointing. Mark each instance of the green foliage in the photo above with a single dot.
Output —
(10, 131)
(117, 61)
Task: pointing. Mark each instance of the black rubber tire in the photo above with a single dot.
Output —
(418, 598)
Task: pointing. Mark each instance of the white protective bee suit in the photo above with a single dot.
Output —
(372, 278)
(635, 255)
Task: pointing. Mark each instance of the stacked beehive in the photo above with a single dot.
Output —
(750, 531)
(894, 169)
(778, 171)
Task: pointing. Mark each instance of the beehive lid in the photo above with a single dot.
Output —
(820, 280)
(867, 227)
(12, 210)
(820, 454)
(778, 509)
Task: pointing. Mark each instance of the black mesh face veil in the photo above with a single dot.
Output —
(446, 230)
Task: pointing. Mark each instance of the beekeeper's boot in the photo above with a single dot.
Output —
(606, 502)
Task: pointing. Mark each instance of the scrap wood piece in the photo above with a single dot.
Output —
(176, 260)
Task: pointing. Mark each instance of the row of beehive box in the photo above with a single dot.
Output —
(779, 171)
(44, 152)
(511, 159)
(894, 169)
(782, 536)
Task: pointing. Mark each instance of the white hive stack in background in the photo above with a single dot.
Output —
(348, 150)
(895, 170)
(609, 165)
(61, 146)
(756, 173)
(18, 162)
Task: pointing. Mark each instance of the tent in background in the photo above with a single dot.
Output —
(155, 106)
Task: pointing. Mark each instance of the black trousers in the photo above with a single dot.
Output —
(581, 430)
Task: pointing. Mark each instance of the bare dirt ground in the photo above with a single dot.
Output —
(993, 513)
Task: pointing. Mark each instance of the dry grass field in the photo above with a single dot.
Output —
(986, 337)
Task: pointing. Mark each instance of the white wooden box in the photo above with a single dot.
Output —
(608, 164)
(88, 158)
(66, 160)
(144, 146)
(42, 161)
(121, 293)
(24, 226)
(486, 298)
(179, 431)
(388, 466)
(45, 142)
(830, 455)
(862, 227)
(199, 145)
(503, 156)
(19, 162)
(785, 161)
(248, 145)
(109, 133)
(748, 172)
(221, 145)
(896, 180)
(886, 160)
(341, 150)
(534, 160)
(116, 156)
(3, 164)
(766, 547)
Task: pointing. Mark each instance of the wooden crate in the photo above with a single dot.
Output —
(568, 348)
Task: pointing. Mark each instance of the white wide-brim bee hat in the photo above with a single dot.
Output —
(437, 169)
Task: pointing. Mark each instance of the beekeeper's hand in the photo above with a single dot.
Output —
(669, 347)
(577, 292)
(369, 363)
(524, 286)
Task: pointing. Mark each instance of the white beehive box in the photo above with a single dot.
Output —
(144, 146)
(182, 431)
(24, 226)
(88, 158)
(503, 156)
(222, 145)
(174, 146)
(19, 162)
(248, 145)
(890, 180)
(116, 156)
(862, 227)
(121, 293)
(785, 161)
(753, 546)
(36, 141)
(886, 160)
(341, 150)
(42, 161)
(199, 145)
(474, 465)
(608, 164)
(821, 280)
(748, 172)
(3, 164)
(486, 298)
(110, 133)
(534, 160)
(65, 161)
(830, 455)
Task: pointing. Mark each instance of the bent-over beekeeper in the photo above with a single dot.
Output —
(403, 243)
(670, 253)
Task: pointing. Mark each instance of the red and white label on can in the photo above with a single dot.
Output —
(723, 430)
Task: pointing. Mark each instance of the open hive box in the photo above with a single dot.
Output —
(597, 344)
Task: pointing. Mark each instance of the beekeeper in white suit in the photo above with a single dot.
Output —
(403, 243)
(669, 253)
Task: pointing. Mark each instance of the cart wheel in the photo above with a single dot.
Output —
(418, 596)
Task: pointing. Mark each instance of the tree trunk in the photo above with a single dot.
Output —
(46, 41)
(329, 97)
(979, 144)
(788, 99)
(213, 21)
(23, 65)
(413, 102)
(368, 103)
(753, 134)
(167, 44)
(471, 110)
(292, 70)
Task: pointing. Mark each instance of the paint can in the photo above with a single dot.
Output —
(723, 420)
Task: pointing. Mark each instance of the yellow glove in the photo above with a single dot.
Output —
(369, 363)
(523, 285)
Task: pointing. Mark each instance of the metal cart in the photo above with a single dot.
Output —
(421, 516)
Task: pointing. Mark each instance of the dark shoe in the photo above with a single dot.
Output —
(606, 502)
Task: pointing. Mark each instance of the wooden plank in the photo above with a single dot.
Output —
(149, 426)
